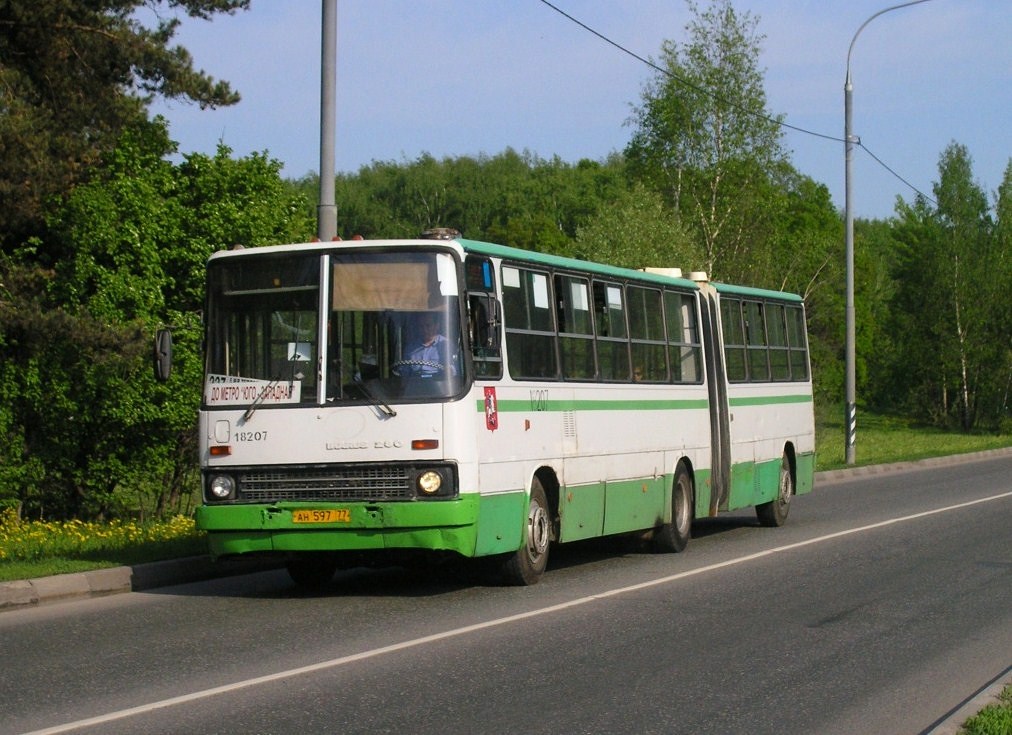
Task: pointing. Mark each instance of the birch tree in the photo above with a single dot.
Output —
(705, 138)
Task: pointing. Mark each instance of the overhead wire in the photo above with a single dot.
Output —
(883, 164)
(712, 94)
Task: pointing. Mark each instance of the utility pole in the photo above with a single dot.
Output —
(850, 362)
(326, 211)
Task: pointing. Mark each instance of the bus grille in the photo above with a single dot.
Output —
(373, 483)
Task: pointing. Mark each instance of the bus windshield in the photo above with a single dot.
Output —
(379, 327)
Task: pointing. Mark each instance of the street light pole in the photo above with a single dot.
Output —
(850, 139)
(326, 212)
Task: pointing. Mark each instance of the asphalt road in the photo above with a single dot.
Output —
(883, 604)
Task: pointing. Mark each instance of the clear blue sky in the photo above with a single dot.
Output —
(470, 77)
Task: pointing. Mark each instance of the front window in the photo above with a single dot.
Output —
(263, 327)
(394, 327)
(379, 327)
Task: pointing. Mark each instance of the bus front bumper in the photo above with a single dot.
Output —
(445, 525)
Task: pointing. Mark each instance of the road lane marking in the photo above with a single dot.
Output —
(456, 632)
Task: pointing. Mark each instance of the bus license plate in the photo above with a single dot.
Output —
(330, 515)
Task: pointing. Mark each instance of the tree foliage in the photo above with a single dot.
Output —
(636, 230)
(703, 137)
(951, 361)
(90, 432)
(515, 198)
(73, 76)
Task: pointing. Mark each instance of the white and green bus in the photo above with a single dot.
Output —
(364, 398)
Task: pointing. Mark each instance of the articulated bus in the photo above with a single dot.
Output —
(448, 395)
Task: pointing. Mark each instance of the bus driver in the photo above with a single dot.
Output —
(428, 354)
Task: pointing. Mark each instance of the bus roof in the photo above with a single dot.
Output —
(558, 261)
(504, 251)
(761, 293)
(511, 253)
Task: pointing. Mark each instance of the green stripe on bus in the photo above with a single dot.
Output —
(524, 406)
(769, 400)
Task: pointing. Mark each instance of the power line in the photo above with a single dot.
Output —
(882, 163)
(686, 82)
(725, 101)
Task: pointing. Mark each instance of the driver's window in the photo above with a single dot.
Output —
(483, 324)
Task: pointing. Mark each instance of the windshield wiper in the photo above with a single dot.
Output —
(259, 399)
(377, 401)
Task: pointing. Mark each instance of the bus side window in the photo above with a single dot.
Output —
(734, 339)
(483, 316)
(780, 366)
(796, 338)
(755, 330)
(576, 331)
(646, 332)
(530, 323)
(683, 337)
(612, 335)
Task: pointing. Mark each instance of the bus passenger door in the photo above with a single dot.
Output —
(720, 430)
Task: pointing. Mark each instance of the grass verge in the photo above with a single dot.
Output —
(886, 439)
(995, 719)
(30, 549)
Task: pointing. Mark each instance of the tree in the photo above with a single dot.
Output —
(1001, 403)
(804, 254)
(73, 76)
(517, 199)
(952, 281)
(87, 430)
(966, 227)
(636, 230)
(704, 137)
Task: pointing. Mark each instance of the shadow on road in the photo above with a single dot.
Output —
(426, 575)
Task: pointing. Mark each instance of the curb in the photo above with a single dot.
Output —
(829, 477)
(952, 722)
(24, 593)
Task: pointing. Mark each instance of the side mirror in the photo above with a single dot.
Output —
(163, 354)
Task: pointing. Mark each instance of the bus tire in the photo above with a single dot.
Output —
(774, 513)
(311, 570)
(674, 536)
(526, 565)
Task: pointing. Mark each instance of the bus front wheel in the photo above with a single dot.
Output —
(774, 513)
(527, 564)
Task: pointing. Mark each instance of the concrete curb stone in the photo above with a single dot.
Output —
(20, 593)
(24, 593)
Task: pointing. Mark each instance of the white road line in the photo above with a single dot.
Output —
(415, 642)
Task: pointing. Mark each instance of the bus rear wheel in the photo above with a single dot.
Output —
(674, 536)
(774, 513)
(526, 565)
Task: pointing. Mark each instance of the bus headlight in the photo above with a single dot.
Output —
(221, 487)
(429, 482)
